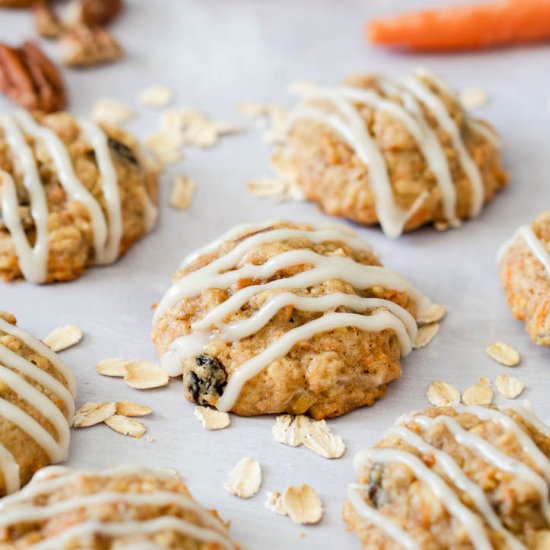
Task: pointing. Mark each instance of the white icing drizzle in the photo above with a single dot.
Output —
(17, 509)
(13, 369)
(226, 270)
(482, 447)
(349, 124)
(453, 471)
(411, 116)
(32, 260)
(470, 521)
(107, 228)
(492, 455)
(384, 523)
(109, 183)
(535, 245)
(444, 119)
(528, 446)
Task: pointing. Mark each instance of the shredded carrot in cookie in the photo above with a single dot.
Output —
(496, 23)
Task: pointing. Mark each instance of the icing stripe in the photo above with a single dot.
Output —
(442, 491)
(109, 184)
(445, 121)
(535, 245)
(9, 468)
(128, 528)
(32, 260)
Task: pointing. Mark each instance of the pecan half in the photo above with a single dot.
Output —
(46, 22)
(15, 3)
(85, 46)
(30, 79)
(99, 12)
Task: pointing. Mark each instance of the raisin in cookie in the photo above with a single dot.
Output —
(73, 193)
(524, 269)
(36, 406)
(282, 317)
(467, 477)
(123, 507)
(399, 153)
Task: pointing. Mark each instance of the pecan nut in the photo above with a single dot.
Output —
(15, 3)
(99, 12)
(85, 46)
(46, 22)
(30, 79)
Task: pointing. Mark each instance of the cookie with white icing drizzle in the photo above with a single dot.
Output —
(122, 507)
(285, 317)
(467, 477)
(73, 193)
(524, 270)
(37, 392)
(401, 153)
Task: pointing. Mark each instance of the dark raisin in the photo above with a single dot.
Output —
(206, 381)
(122, 151)
(375, 483)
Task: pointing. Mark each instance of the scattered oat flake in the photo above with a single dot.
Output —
(150, 438)
(274, 503)
(110, 110)
(166, 146)
(156, 96)
(503, 353)
(484, 381)
(508, 386)
(290, 430)
(144, 375)
(182, 192)
(435, 313)
(63, 337)
(252, 109)
(126, 426)
(112, 367)
(302, 504)
(441, 394)
(473, 98)
(91, 414)
(211, 418)
(128, 408)
(266, 187)
(314, 434)
(425, 335)
(245, 478)
(478, 394)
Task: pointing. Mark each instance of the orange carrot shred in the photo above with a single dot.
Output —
(496, 23)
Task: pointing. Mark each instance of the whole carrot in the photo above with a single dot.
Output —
(479, 26)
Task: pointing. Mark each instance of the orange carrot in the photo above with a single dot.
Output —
(466, 27)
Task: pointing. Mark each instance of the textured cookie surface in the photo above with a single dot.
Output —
(283, 317)
(74, 194)
(455, 477)
(36, 406)
(524, 270)
(124, 507)
(399, 153)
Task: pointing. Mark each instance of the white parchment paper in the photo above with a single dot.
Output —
(215, 53)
